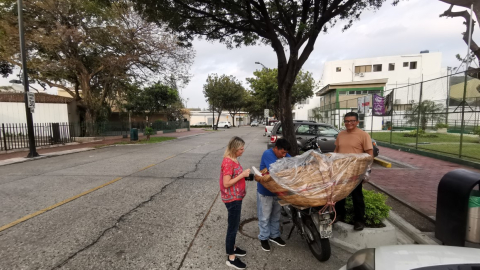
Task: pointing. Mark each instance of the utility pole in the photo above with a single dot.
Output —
(31, 134)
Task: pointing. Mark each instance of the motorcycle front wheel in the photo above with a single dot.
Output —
(319, 247)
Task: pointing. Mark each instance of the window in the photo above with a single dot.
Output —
(391, 66)
(279, 130)
(339, 69)
(362, 69)
(413, 65)
(405, 64)
(307, 130)
(351, 92)
(327, 131)
(377, 68)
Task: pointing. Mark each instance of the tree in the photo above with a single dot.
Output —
(235, 99)
(289, 27)
(224, 93)
(5, 69)
(92, 50)
(154, 99)
(428, 110)
(465, 14)
(265, 89)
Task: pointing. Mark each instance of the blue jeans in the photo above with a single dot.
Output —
(268, 211)
(234, 210)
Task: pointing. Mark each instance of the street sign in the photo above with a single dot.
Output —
(31, 101)
(266, 113)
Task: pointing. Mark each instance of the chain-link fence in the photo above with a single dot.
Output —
(437, 114)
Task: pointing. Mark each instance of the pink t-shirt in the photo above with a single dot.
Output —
(237, 191)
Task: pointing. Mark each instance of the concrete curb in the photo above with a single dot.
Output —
(382, 162)
(47, 155)
(404, 228)
(410, 230)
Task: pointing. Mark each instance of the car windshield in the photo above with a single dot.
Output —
(327, 131)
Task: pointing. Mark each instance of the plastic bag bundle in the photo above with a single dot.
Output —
(314, 179)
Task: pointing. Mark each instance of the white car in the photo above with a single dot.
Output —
(224, 124)
(254, 124)
(418, 257)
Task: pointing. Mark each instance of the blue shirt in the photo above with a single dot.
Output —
(268, 158)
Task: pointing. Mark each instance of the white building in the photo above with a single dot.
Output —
(344, 81)
(198, 117)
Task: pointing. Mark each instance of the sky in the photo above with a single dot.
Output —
(408, 28)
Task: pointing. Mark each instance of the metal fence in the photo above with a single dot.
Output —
(107, 128)
(438, 114)
(15, 136)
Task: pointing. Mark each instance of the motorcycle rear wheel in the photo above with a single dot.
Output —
(319, 247)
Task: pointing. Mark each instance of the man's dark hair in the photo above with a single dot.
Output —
(351, 114)
(283, 144)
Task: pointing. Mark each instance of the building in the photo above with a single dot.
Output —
(344, 81)
(197, 117)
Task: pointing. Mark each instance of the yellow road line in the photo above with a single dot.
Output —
(56, 205)
(151, 165)
(383, 162)
(27, 217)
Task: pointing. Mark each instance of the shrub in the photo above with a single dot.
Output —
(441, 125)
(148, 131)
(421, 133)
(376, 209)
(476, 131)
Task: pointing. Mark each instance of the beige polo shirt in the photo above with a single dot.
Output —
(355, 142)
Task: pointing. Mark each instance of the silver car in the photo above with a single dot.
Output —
(305, 130)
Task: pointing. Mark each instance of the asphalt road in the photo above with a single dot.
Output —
(136, 207)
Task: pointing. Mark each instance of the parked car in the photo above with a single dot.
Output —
(305, 130)
(269, 127)
(254, 124)
(418, 257)
(201, 124)
(224, 124)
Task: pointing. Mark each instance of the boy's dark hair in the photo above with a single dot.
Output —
(283, 144)
(351, 114)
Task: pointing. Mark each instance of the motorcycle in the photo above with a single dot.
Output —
(314, 224)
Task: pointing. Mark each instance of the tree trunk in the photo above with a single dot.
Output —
(90, 123)
(233, 118)
(285, 84)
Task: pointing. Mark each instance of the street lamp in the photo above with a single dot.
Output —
(258, 63)
(30, 130)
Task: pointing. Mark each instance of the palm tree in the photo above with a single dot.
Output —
(428, 111)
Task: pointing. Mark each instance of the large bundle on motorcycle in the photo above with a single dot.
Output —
(314, 179)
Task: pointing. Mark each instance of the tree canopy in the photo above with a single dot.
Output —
(153, 99)
(224, 93)
(428, 111)
(291, 28)
(91, 49)
(264, 88)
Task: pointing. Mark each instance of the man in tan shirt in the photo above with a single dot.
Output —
(353, 141)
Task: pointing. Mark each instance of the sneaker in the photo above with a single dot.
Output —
(279, 241)
(358, 225)
(265, 245)
(236, 263)
(239, 252)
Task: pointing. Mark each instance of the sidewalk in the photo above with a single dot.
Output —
(107, 141)
(416, 186)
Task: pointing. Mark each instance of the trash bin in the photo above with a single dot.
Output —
(453, 213)
(214, 127)
(133, 134)
(473, 223)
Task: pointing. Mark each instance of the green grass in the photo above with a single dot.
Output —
(445, 143)
(397, 138)
(156, 140)
(468, 150)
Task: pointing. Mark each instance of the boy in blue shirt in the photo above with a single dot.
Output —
(268, 209)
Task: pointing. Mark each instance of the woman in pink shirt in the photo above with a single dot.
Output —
(232, 187)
